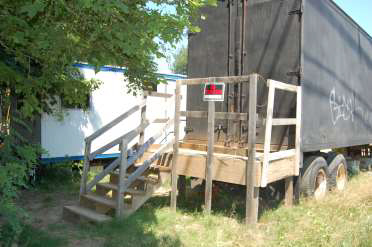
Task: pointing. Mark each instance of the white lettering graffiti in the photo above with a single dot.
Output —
(341, 107)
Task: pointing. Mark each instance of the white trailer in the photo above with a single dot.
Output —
(64, 139)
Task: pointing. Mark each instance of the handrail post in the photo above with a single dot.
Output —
(122, 173)
(252, 191)
(209, 168)
(143, 120)
(177, 112)
(83, 183)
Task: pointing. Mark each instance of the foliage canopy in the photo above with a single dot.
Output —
(179, 61)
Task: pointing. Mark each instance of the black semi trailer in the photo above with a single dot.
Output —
(310, 43)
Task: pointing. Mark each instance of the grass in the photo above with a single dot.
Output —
(341, 219)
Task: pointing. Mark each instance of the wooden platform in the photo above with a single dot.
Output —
(227, 167)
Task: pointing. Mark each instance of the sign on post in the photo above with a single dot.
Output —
(214, 91)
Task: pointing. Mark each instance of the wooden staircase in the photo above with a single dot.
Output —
(133, 177)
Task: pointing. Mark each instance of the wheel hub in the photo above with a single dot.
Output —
(320, 185)
(341, 178)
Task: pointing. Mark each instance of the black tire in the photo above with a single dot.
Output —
(330, 157)
(337, 170)
(314, 181)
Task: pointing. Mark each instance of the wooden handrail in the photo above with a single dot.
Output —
(218, 115)
(128, 136)
(115, 121)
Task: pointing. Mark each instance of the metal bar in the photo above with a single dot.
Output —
(177, 111)
(115, 122)
(209, 168)
(284, 121)
(252, 192)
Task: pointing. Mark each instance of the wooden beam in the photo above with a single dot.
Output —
(208, 170)
(84, 177)
(161, 120)
(218, 115)
(143, 120)
(282, 86)
(282, 154)
(288, 201)
(267, 142)
(298, 161)
(157, 94)
(227, 80)
(195, 153)
(177, 111)
(252, 191)
(284, 121)
(122, 173)
(115, 121)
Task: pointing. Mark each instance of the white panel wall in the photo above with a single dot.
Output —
(66, 138)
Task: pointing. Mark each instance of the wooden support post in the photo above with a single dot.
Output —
(177, 113)
(83, 183)
(298, 159)
(209, 166)
(288, 192)
(297, 189)
(122, 172)
(252, 193)
(267, 143)
(143, 120)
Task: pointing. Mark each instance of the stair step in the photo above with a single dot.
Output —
(141, 178)
(111, 186)
(100, 199)
(87, 213)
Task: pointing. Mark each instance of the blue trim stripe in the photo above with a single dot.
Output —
(168, 77)
(45, 161)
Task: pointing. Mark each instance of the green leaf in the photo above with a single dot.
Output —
(34, 8)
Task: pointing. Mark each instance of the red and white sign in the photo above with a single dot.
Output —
(214, 92)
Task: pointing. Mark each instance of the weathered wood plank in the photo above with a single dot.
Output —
(227, 80)
(208, 171)
(143, 120)
(218, 115)
(252, 191)
(282, 86)
(177, 113)
(298, 161)
(288, 202)
(282, 154)
(284, 121)
(115, 121)
(128, 136)
(122, 173)
(157, 94)
(84, 178)
(267, 142)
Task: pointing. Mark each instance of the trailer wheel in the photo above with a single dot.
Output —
(338, 173)
(315, 179)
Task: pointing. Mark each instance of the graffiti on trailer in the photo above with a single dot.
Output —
(342, 107)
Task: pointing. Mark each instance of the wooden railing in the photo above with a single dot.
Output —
(128, 155)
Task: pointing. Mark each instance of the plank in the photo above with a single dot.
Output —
(208, 171)
(122, 173)
(218, 115)
(158, 94)
(284, 121)
(103, 174)
(115, 121)
(298, 160)
(190, 152)
(84, 178)
(87, 213)
(268, 129)
(177, 113)
(252, 191)
(227, 80)
(282, 86)
(128, 136)
(288, 201)
(101, 200)
(282, 154)
(143, 120)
